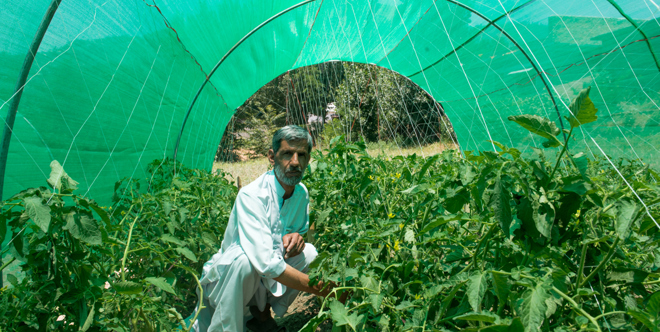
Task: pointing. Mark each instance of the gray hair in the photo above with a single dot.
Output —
(291, 133)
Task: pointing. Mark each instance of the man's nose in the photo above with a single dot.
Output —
(294, 159)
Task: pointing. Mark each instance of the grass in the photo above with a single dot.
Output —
(250, 170)
(390, 149)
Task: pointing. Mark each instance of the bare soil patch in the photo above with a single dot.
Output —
(304, 308)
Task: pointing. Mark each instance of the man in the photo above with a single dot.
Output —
(263, 257)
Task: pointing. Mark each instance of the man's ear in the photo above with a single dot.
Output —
(271, 157)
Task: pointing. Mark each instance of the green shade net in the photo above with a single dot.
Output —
(113, 80)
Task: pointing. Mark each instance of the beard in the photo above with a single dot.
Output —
(288, 180)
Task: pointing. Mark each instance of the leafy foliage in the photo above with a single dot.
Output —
(119, 268)
(488, 242)
(491, 241)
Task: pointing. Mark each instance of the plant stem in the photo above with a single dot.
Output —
(561, 154)
(601, 264)
(583, 258)
(149, 328)
(610, 313)
(651, 282)
(577, 307)
(484, 238)
(128, 245)
(7, 264)
(201, 303)
(426, 215)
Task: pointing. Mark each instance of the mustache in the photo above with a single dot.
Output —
(293, 169)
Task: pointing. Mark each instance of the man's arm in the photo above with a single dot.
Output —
(300, 281)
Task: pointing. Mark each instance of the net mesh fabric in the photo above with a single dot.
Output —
(113, 80)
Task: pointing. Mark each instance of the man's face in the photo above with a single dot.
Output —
(290, 161)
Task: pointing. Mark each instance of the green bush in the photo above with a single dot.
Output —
(131, 266)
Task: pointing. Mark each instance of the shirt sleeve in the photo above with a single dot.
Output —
(256, 237)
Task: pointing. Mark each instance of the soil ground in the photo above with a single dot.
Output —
(304, 308)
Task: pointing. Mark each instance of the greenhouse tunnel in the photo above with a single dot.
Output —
(113, 81)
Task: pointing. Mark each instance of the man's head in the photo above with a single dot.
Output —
(290, 154)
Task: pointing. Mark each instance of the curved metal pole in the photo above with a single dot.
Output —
(185, 119)
(491, 22)
(20, 84)
(638, 28)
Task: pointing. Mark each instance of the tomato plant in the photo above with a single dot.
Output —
(126, 267)
(491, 242)
(488, 241)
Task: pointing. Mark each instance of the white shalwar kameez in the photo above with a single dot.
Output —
(252, 254)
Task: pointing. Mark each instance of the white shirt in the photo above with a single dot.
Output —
(257, 223)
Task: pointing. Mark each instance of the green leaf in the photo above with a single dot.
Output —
(644, 318)
(575, 185)
(467, 173)
(476, 290)
(186, 252)
(552, 304)
(628, 211)
(3, 228)
(415, 189)
(551, 143)
(127, 287)
(630, 276)
(537, 124)
(446, 302)
(500, 201)
(430, 161)
(171, 238)
(83, 228)
(160, 283)
(502, 286)
(582, 109)
(376, 300)
(89, 320)
(653, 304)
(12, 280)
(323, 215)
(483, 316)
(60, 180)
(515, 326)
(102, 213)
(167, 207)
(569, 204)
(341, 317)
(409, 236)
(19, 245)
(532, 306)
(441, 221)
(544, 216)
(38, 212)
(366, 182)
(209, 239)
(582, 164)
(314, 323)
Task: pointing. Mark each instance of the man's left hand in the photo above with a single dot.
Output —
(294, 244)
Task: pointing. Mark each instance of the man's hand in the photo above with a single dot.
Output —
(294, 244)
(325, 289)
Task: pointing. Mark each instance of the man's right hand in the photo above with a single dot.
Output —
(324, 292)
